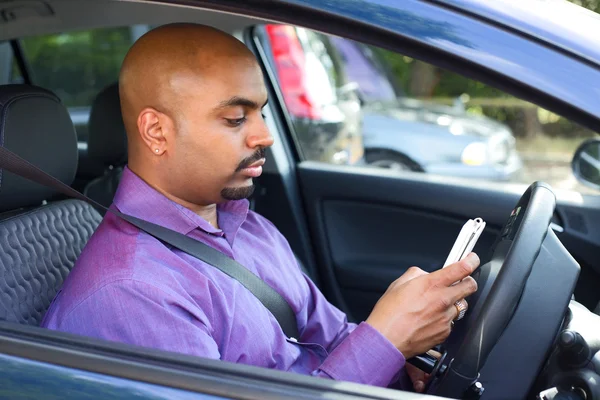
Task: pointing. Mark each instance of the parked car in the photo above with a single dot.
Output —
(404, 133)
(354, 230)
(398, 132)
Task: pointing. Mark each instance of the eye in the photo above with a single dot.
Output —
(235, 122)
(263, 116)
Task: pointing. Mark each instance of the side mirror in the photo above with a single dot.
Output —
(586, 163)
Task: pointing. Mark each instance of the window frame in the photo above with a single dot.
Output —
(167, 369)
(179, 370)
(312, 14)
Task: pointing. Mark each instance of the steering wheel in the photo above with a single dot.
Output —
(514, 254)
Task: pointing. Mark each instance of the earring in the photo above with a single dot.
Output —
(156, 150)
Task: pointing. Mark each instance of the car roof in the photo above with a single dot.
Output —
(500, 45)
(558, 23)
(68, 15)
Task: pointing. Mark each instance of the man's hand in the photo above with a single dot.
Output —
(416, 311)
(419, 378)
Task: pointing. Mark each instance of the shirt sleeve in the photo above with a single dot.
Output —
(138, 313)
(357, 353)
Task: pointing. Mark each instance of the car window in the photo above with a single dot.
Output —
(416, 117)
(78, 65)
(6, 62)
(376, 84)
(319, 100)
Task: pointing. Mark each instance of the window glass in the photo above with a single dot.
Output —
(77, 65)
(7, 64)
(15, 75)
(413, 116)
(321, 102)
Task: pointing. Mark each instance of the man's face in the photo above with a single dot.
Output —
(220, 133)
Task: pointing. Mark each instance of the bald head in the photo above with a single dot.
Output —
(160, 64)
(192, 99)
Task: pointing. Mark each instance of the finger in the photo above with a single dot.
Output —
(457, 271)
(457, 309)
(418, 378)
(452, 314)
(419, 386)
(434, 353)
(414, 373)
(462, 289)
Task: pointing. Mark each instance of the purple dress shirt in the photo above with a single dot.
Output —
(128, 287)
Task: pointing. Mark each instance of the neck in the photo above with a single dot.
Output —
(208, 212)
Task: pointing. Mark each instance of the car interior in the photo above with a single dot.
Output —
(106, 145)
(354, 230)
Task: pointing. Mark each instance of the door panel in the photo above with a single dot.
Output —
(369, 226)
(38, 363)
(371, 245)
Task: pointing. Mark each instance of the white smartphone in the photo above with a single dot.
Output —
(465, 242)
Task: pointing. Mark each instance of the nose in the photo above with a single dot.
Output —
(260, 136)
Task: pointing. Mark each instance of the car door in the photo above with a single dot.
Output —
(368, 225)
(39, 363)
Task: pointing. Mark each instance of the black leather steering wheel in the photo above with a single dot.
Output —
(490, 311)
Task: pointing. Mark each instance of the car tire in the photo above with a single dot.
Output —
(391, 160)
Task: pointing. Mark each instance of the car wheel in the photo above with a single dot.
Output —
(392, 161)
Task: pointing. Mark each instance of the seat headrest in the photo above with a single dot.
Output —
(36, 126)
(107, 141)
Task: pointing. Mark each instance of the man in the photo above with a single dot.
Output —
(191, 99)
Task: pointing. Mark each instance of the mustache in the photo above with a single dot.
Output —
(248, 161)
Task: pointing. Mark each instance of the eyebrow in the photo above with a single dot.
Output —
(237, 101)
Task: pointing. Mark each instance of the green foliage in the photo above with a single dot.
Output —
(593, 5)
(77, 65)
(450, 85)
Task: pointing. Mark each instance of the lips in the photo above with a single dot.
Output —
(254, 170)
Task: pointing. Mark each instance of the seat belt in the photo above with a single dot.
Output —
(272, 300)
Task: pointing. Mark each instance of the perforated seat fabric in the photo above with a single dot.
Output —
(39, 249)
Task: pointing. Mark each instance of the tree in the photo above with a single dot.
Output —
(77, 65)
(593, 5)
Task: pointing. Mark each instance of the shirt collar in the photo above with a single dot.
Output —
(135, 197)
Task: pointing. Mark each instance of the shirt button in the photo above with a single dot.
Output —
(293, 339)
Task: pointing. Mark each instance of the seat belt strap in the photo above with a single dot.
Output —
(270, 298)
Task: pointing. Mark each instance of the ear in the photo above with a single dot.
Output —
(154, 128)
